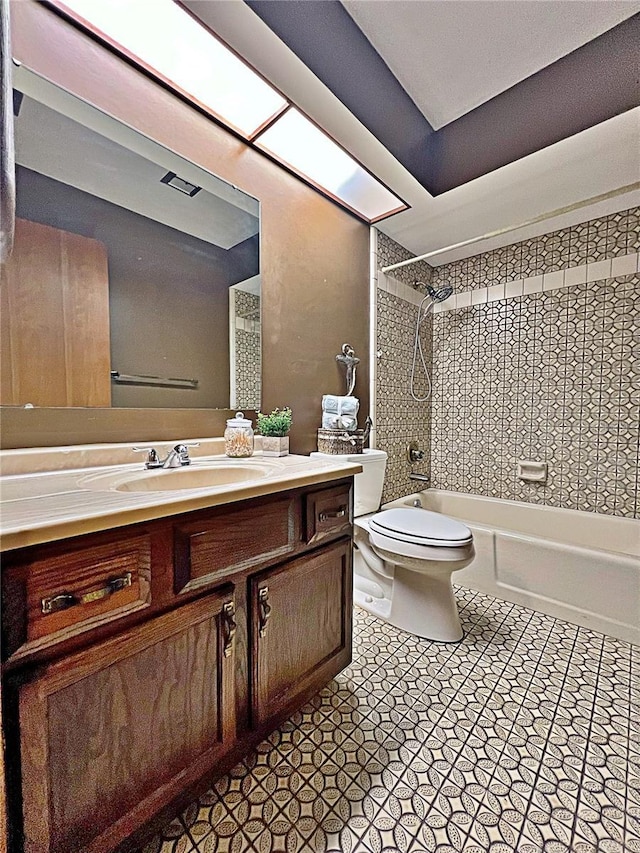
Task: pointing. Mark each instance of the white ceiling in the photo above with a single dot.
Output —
(592, 163)
(452, 56)
(599, 160)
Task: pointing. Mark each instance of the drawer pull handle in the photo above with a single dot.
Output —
(264, 610)
(335, 513)
(58, 602)
(65, 600)
(116, 584)
(230, 626)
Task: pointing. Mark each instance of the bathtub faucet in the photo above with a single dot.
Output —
(421, 478)
(414, 454)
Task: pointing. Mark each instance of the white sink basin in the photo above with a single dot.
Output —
(195, 476)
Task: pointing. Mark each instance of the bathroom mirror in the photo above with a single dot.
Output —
(135, 275)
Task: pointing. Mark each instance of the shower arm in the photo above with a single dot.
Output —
(500, 231)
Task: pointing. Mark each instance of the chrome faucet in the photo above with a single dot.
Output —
(179, 456)
(175, 458)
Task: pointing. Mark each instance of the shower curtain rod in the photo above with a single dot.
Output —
(558, 212)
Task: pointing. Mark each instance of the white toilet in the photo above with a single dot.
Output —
(404, 558)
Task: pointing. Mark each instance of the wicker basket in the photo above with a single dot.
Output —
(340, 442)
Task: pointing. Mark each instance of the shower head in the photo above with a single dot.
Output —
(439, 294)
(433, 295)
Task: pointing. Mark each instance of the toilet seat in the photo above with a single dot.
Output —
(420, 527)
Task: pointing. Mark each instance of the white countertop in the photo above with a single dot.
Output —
(46, 506)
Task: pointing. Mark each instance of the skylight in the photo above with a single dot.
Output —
(299, 143)
(164, 37)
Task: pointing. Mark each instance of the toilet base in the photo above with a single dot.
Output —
(375, 605)
(417, 601)
(422, 605)
(425, 605)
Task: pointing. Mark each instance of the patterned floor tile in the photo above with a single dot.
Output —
(173, 839)
(522, 738)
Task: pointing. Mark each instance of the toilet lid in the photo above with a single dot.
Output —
(421, 527)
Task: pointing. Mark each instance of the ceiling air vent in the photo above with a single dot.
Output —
(186, 187)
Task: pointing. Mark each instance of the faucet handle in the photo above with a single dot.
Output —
(414, 454)
(152, 460)
(182, 450)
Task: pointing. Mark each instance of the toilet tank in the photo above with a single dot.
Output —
(368, 485)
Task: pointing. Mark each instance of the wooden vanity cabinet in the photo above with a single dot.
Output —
(56, 592)
(301, 625)
(110, 733)
(139, 714)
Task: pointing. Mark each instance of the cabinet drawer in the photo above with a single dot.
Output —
(232, 540)
(328, 513)
(56, 595)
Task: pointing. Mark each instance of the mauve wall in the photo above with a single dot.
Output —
(313, 298)
(538, 358)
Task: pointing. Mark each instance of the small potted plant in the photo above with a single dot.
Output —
(274, 429)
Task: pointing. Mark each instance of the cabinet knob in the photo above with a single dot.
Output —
(229, 627)
(264, 610)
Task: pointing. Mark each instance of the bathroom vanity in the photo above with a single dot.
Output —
(145, 656)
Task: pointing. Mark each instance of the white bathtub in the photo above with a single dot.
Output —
(579, 566)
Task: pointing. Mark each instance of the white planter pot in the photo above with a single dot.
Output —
(275, 445)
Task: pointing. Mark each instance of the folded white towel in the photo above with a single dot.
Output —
(330, 404)
(340, 405)
(349, 423)
(331, 421)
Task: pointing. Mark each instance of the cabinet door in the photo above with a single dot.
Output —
(301, 623)
(110, 734)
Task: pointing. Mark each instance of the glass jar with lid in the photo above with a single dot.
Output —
(238, 437)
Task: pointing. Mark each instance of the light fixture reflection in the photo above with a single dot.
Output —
(297, 142)
(169, 41)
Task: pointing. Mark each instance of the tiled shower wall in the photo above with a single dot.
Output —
(400, 419)
(537, 356)
(539, 359)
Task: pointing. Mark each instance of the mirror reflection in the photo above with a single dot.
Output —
(135, 277)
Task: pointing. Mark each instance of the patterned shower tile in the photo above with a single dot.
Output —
(556, 383)
(390, 252)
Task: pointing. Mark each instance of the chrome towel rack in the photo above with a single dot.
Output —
(157, 381)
